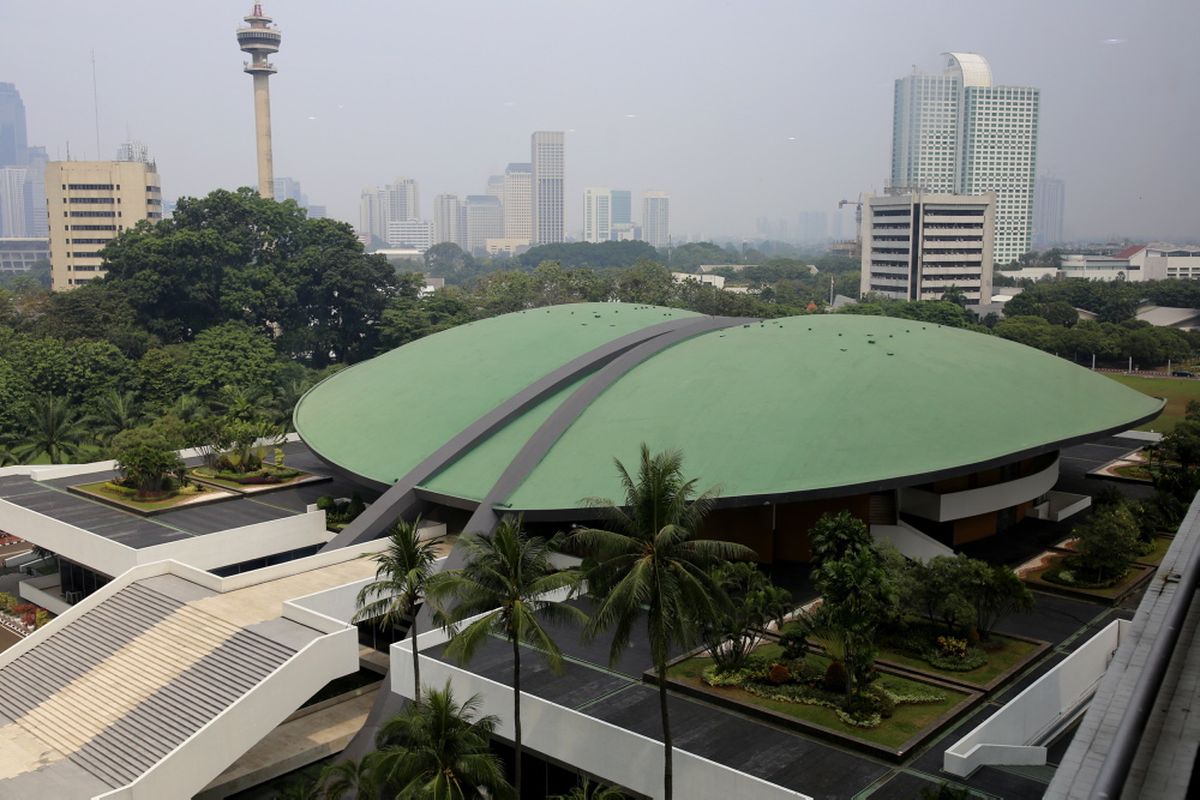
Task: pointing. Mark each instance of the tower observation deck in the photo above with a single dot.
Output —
(259, 39)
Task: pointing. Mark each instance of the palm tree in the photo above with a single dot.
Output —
(113, 413)
(439, 751)
(593, 791)
(404, 569)
(354, 778)
(54, 429)
(504, 583)
(655, 566)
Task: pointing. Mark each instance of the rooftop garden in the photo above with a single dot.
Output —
(236, 458)
(150, 478)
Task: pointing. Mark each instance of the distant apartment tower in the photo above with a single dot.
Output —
(622, 207)
(14, 204)
(916, 246)
(518, 202)
(656, 218)
(547, 157)
(597, 215)
(1049, 207)
(90, 203)
(414, 233)
(485, 220)
(956, 133)
(449, 220)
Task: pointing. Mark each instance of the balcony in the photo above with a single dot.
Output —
(945, 507)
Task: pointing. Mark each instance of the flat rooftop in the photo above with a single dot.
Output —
(50, 497)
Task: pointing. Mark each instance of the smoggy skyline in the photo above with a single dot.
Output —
(738, 110)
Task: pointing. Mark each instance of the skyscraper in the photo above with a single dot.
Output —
(547, 158)
(14, 207)
(517, 201)
(656, 218)
(495, 187)
(259, 39)
(1049, 208)
(289, 189)
(12, 127)
(448, 220)
(90, 203)
(396, 202)
(597, 215)
(485, 220)
(958, 133)
(400, 200)
(622, 207)
(35, 193)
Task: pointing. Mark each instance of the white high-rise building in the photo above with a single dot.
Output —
(370, 218)
(1049, 207)
(916, 246)
(547, 157)
(399, 201)
(14, 207)
(597, 215)
(958, 133)
(485, 220)
(449, 223)
(518, 202)
(414, 233)
(656, 218)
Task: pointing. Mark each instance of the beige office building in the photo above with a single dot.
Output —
(88, 204)
(916, 246)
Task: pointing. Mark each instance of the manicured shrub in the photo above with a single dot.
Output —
(778, 674)
(836, 679)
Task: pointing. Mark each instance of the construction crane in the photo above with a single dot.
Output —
(858, 205)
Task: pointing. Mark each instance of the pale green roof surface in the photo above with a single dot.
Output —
(809, 403)
(794, 405)
(382, 417)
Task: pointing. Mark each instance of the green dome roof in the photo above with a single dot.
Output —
(789, 407)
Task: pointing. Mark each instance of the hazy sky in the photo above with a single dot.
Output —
(699, 98)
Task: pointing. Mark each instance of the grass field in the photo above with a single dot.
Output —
(1177, 392)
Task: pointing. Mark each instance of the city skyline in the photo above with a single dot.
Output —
(775, 153)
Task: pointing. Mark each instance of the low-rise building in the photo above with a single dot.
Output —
(20, 254)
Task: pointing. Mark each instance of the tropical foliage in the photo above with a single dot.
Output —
(656, 565)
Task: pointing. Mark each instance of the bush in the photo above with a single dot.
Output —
(794, 644)
(146, 461)
(836, 679)
(778, 674)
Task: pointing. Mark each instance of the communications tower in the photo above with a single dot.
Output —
(259, 38)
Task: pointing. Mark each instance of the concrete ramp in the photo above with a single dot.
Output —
(910, 541)
(155, 684)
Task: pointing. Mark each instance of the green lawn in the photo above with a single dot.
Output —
(1177, 392)
(102, 490)
(1155, 556)
(1034, 579)
(205, 475)
(909, 719)
(1003, 654)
